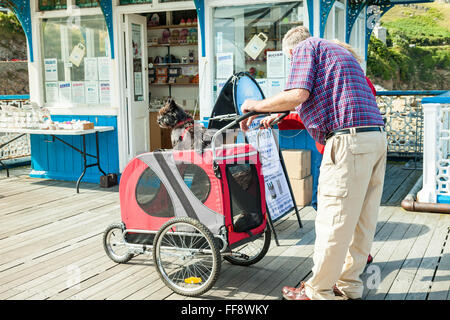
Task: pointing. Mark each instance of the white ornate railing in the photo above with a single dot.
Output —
(18, 148)
(436, 153)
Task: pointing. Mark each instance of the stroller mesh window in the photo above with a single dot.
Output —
(245, 196)
(152, 196)
(196, 179)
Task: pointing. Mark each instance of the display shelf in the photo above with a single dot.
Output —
(175, 64)
(173, 27)
(173, 45)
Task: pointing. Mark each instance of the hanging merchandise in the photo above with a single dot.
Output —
(77, 54)
(256, 45)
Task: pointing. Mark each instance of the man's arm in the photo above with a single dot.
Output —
(281, 102)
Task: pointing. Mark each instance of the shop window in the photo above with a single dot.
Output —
(86, 3)
(196, 179)
(46, 5)
(76, 61)
(248, 38)
(165, 1)
(152, 195)
(134, 1)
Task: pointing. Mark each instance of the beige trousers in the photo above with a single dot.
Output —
(349, 194)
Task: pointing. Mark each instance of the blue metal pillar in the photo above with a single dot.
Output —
(353, 10)
(325, 8)
(107, 9)
(200, 6)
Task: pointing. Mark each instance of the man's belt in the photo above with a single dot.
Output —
(347, 131)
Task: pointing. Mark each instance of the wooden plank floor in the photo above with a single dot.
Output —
(51, 248)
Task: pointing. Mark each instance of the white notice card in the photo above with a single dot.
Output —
(225, 65)
(51, 91)
(275, 64)
(51, 69)
(65, 91)
(78, 94)
(105, 92)
(104, 69)
(90, 69)
(91, 91)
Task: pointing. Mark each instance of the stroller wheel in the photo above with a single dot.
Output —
(114, 243)
(251, 252)
(186, 256)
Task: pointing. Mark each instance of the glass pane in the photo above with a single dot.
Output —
(86, 3)
(196, 179)
(152, 195)
(136, 38)
(134, 1)
(244, 37)
(45, 5)
(76, 63)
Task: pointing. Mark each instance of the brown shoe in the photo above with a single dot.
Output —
(290, 293)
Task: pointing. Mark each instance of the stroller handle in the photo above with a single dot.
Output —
(230, 125)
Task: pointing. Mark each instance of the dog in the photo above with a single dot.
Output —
(185, 133)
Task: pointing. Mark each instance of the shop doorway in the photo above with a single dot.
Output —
(136, 77)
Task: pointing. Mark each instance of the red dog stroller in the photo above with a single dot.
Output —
(192, 209)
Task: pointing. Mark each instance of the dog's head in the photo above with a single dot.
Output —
(171, 114)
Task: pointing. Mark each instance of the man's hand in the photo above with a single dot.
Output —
(250, 105)
(267, 121)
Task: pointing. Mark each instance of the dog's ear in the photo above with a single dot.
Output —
(171, 103)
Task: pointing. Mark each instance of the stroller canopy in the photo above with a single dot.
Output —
(239, 87)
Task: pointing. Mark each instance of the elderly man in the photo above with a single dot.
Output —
(328, 89)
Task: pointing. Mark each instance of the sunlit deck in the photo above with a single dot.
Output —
(51, 248)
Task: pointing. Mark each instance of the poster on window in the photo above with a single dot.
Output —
(91, 92)
(78, 95)
(275, 86)
(275, 64)
(51, 69)
(104, 68)
(225, 65)
(278, 196)
(90, 69)
(105, 92)
(65, 91)
(51, 91)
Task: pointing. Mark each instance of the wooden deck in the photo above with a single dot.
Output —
(51, 248)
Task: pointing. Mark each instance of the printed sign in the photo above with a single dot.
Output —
(275, 64)
(91, 91)
(90, 69)
(225, 65)
(105, 92)
(65, 91)
(78, 95)
(51, 91)
(51, 69)
(278, 196)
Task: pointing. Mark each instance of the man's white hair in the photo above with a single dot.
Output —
(293, 37)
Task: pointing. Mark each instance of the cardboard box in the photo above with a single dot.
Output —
(298, 163)
(302, 190)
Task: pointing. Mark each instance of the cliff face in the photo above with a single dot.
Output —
(13, 57)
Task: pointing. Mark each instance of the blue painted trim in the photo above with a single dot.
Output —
(15, 97)
(443, 199)
(352, 12)
(411, 93)
(310, 4)
(200, 6)
(21, 9)
(372, 15)
(325, 8)
(107, 9)
(442, 98)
